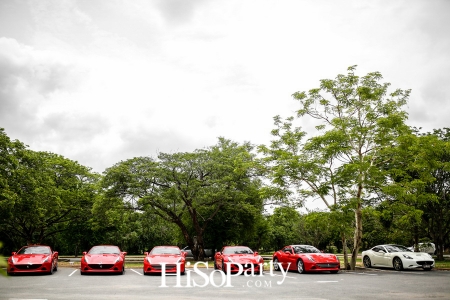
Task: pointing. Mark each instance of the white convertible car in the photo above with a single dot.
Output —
(397, 257)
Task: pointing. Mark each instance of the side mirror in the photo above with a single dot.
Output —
(218, 253)
(124, 253)
(84, 253)
(145, 253)
(256, 253)
(55, 253)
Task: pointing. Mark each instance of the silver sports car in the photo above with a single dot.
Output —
(397, 257)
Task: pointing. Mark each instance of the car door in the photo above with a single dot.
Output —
(284, 256)
(290, 258)
(379, 254)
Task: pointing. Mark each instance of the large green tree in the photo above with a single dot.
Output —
(417, 190)
(45, 193)
(355, 119)
(189, 189)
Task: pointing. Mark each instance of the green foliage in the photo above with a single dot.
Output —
(189, 189)
(356, 119)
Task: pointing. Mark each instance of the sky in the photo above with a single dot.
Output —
(102, 81)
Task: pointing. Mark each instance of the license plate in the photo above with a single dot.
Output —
(426, 266)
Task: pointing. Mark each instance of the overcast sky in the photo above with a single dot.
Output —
(103, 81)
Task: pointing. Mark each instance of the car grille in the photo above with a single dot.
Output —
(28, 267)
(328, 265)
(425, 262)
(100, 266)
(159, 267)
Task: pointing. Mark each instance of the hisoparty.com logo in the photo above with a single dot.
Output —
(224, 278)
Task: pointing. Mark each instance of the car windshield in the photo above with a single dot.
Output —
(396, 248)
(35, 250)
(165, 250)
(104, 250)
(237, 250)
(305, 249)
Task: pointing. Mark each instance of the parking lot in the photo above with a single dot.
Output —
(67, 283)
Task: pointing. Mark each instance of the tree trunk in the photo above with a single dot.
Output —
(344, 250)
(357, 236)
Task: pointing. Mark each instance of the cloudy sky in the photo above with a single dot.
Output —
(102, 81)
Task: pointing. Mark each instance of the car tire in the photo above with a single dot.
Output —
(300, 266)
(224, 267)
(56, 266)
(367, 262)
(123, 270)
(276, 267)
(397, 264)
(215, 265)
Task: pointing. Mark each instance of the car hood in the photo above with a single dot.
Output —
(243, 258)
(164, 258)
(415, 255)
(321, 257)
(30, 258)
(101, 258)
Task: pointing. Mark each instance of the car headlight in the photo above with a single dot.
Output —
(12, 260)
(429, 255)
(86, 260)
(46, 259)
(407, 256)
(149, 261)
(179, 260)
(117, 260)
(229, 259)
(310, 258)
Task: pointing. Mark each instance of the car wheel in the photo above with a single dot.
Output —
(123, 270)
(276, 267)
(223, 267)
(367, 262)
(300, 266)
(398, 265)
(215, 265)
(52, 270)
(56, 266)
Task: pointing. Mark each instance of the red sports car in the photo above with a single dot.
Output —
(34, 258)
(103, 259)
(305, 258)
(170, 255)
(237, 256)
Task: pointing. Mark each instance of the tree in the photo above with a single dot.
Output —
(356, 118)
(417, 194)
(45, 192)
(188, 189)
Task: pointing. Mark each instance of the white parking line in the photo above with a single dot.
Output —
(73, 272)
(326, 281)
(136, 272)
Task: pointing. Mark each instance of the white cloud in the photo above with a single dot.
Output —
(102, 81)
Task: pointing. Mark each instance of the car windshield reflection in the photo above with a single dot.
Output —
(305, 249)
(396, 248)
(237, 250)
(164, 250)
(104, 250)
(34, 250)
